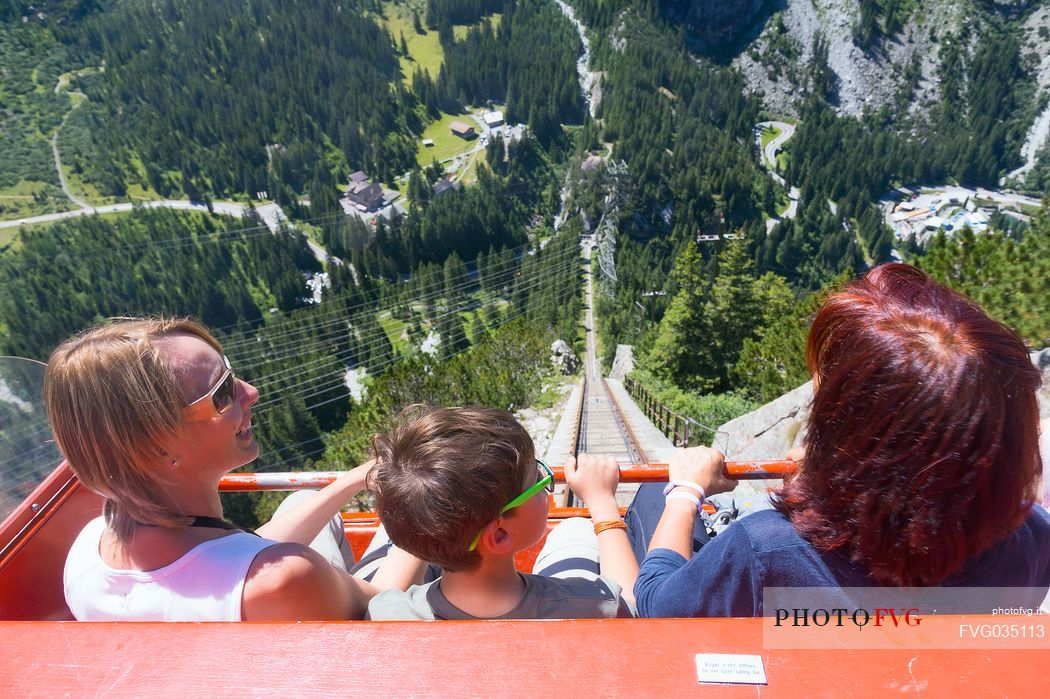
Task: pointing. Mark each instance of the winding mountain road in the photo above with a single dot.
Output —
(769, 161)
(271, 214)
(58, 167)
(63, 86)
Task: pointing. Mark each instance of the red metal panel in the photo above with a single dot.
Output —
(34, 542)
(650, 657)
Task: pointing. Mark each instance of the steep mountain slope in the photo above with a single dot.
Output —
(906, 57)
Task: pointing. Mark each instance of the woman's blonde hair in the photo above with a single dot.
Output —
(113, 404)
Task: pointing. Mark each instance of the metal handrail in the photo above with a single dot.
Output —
(629, 473)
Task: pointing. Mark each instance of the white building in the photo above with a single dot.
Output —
(492, 119)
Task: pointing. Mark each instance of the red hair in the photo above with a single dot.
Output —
(922, 446)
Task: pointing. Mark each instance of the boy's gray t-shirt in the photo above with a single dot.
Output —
(545, 598)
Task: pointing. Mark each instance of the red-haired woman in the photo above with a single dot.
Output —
(920, 466)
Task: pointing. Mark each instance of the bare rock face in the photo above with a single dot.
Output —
(1042, 362)
(770, 431)
(766, 433)
(777, 62)
(564, 358)
(713, 22)
(623, 363)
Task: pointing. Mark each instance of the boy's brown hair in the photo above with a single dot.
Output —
(442, 474)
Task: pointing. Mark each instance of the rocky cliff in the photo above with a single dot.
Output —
(777, 61)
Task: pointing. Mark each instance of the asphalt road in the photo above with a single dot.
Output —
(769, 161)
(270, 213)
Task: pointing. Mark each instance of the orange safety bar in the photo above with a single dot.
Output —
(629, 473)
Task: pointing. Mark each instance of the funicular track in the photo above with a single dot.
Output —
(601, 427)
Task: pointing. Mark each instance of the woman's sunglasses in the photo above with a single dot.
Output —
(216, 401)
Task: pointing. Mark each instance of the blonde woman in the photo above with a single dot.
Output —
(150, 415)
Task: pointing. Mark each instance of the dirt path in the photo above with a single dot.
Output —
(61, 86)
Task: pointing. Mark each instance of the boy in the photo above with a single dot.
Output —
(461, 488)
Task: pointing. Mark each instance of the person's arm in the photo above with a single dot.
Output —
(721, 580)
(303, 522)
(399, 571)
(292, 582)
(594, 480)
(706, 468)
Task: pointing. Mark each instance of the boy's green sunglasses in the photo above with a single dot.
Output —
(545, 481)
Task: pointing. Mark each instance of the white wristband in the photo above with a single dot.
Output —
(686, 484)
(687, 496)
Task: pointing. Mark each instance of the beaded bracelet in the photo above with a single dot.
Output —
(600, 527)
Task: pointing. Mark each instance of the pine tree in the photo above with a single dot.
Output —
(477, 329)
(677, 352)
(733, 310)
(773, 361)
(456, 280)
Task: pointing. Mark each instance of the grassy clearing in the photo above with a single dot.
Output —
(31, 198)
(468, 324)
(137, 191)
(424, 50)
(556, 390)
(768, 134)
(64, 79)
(460, 30)
(470, 173)
(394, 330)
(445, 145)
(783, 203)
(9, 240)
(86, 190)
(868, 260)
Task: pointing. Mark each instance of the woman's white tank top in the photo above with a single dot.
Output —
(205, 584)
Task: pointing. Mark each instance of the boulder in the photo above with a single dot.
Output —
(1041, 360)
(765, 434)
(623, 362)
(564, 358)
(770, 431)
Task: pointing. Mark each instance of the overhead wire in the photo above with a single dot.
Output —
(336, 328)
(342, 311)
(313, 452)
(548, 273)
(337, 322)
(383, 365)
(538, 281)
(342, 396)
(336, 314)
(273, 353)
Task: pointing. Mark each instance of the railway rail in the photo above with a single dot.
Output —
(601, 427)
